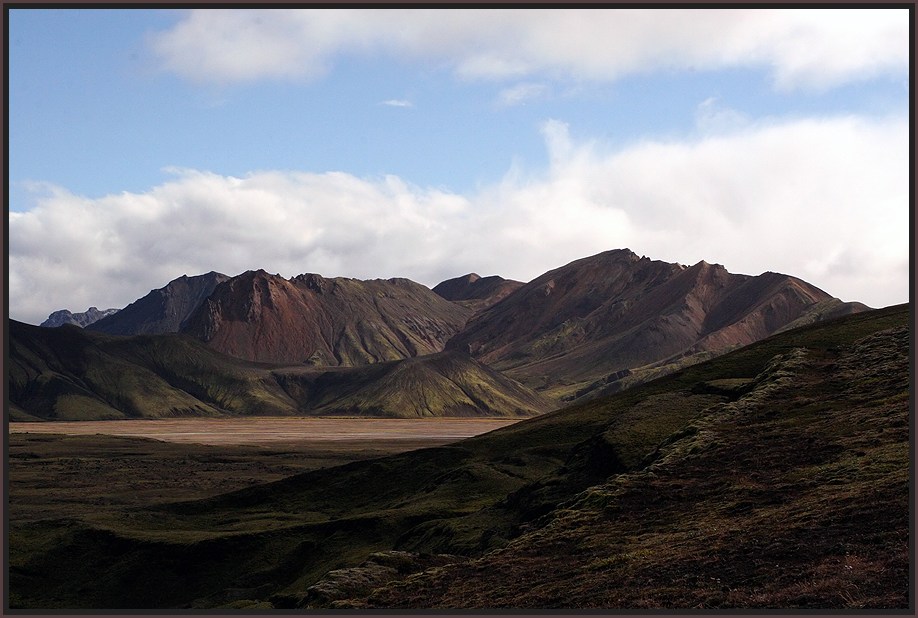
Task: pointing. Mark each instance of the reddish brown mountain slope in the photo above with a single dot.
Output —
(593, 322)
(477, 292)
(329, 322)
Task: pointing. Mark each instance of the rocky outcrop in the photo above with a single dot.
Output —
(64, 316)
(337, 587)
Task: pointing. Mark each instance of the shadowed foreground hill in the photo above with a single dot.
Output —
(773, 476)
(72, 374)
(795, 495)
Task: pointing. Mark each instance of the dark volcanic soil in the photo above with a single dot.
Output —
(794, 496)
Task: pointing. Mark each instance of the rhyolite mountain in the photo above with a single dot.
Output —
(773, 476)
(324, 321)
(163, 310)
(84, 319)
(616, 318)
(70, 373)
(593, 326)
(476, 292)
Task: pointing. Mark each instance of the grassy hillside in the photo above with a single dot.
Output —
(788, 438)
(443, 384)
(72, 374)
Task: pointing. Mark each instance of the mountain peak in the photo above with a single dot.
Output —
(163, 310)
(476, 292)
(314, 282)
(600, 315)
(318, 321)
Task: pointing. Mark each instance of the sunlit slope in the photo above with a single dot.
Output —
(616, 319)
(443, 384)
(324, 321)
(72, 374)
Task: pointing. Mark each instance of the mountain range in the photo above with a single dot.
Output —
(591, 327)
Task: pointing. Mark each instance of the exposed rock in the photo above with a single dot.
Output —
(338, 586)
(64, 316)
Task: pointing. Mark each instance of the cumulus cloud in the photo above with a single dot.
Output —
(802, 48)
(822, 199)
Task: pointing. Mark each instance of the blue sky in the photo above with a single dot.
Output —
(147, 144)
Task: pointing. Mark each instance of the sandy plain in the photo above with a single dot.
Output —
(274, 430)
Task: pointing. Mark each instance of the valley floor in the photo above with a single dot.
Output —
(86, 468)
(410, 433)
(53, 476)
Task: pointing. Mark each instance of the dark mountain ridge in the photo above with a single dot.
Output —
(476, 292)
(163, 310)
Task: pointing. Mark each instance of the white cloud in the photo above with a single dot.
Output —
(803, 48)
(520, 93)
(823, 199)
(397, 103)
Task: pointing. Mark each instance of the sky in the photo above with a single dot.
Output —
(145, 144)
